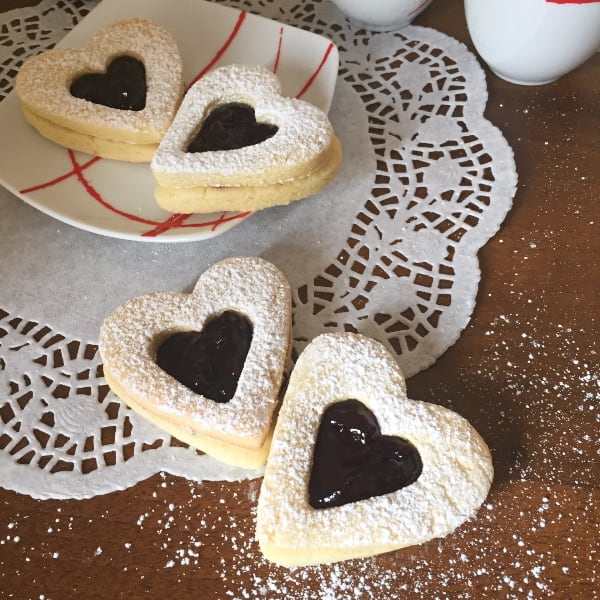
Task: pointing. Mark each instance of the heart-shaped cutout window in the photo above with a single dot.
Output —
(353, 461)
(209, 362)
(229, 127)
(123, 86)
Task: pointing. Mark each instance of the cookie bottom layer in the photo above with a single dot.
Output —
(227, 453)
(248, 198)
(292, 557)
(89, 144)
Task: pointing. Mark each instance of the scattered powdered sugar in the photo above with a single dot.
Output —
(203, 534)
(559, 391)
(536, 537)
(470, 564)
(200, 537)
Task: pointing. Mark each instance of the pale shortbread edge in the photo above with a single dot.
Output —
(286, 557)
(227, 453)
(249, 198)
(81, 142)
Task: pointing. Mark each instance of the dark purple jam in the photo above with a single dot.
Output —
(209, 362)
(229, 127)
(123, 86)
(353, 461)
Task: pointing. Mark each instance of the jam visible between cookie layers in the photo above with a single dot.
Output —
(353, 461)
(229, 127)
(209, 362)
(123, 86)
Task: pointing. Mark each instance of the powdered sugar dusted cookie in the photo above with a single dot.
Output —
(356, 468)
(207, 366)
(237, 144)
(116, 97)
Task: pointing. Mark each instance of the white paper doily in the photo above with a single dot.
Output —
(389, 249)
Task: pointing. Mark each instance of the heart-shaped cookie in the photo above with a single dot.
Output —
(207, 366)
(48, 86)
(439, 467)
(298, 157)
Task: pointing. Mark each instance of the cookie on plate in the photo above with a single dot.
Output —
(237, 144)
(206, 367)
(356, 468)
(114, 98)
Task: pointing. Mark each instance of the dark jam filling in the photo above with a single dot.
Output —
(123, 86)
(209, 362)
(353, 461)
(229, 127)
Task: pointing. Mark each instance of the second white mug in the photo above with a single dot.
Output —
(533, 42)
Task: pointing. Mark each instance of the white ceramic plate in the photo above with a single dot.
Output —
(116, 198)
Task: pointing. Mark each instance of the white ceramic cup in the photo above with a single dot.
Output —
(381, 15)
(533, 42)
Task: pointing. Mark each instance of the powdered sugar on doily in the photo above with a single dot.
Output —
(298, 147)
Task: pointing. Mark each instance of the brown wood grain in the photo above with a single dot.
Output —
(524, 372)
(10, 4)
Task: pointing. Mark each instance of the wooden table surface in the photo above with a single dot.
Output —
(524, 372)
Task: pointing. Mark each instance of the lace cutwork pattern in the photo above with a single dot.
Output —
(29, 31)
(70, 376)
(407, 273)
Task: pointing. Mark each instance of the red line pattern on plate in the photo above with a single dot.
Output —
(236, 29)
(312, 78)
(91, 190)
(175, 220)
(419, 8)
(278, 55)
(52, 182)
(178, 220)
